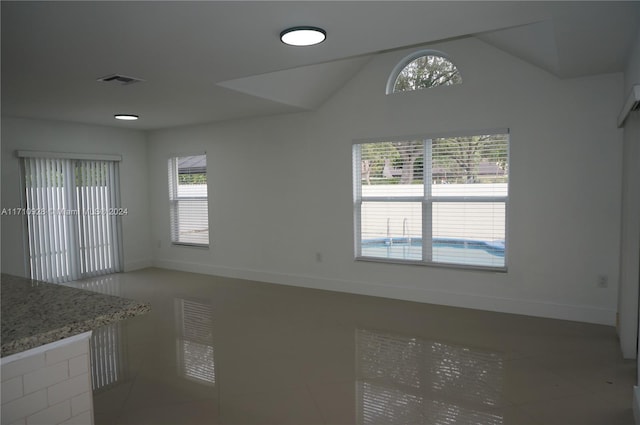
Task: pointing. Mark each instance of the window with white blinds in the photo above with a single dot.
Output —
(73, 217)
(189, 212)
(433, 200)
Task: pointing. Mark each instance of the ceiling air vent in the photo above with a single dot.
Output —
(118, 78)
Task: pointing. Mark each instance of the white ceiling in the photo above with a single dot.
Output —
(212, 61)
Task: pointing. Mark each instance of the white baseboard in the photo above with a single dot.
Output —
(636, 404)
(137, 265)
(550, 310)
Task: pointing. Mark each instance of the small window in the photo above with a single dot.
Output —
(189, 202)
(423, 70)
(433, 200)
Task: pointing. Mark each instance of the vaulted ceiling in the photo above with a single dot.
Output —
(212, 61)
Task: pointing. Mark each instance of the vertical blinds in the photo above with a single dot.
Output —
(189, 213)
(439, 200)
(108, 356)
(99, 201)
(73, 218)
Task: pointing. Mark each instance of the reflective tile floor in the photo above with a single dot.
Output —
(223, 351)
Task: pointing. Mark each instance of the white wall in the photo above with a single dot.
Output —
(280, 187)
(630, 244)
(54, 136)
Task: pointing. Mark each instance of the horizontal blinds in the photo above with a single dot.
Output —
(469, 166)
(392, 169)
(440, 200)
(189, 212)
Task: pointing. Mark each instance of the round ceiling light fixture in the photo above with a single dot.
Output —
(303, 36)
(126, 117)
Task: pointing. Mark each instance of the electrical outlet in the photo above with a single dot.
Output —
(603, 281)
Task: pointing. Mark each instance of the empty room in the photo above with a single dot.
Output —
(331, 212)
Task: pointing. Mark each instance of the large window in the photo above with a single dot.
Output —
(73, 216)
(433, 200)
(189, 202)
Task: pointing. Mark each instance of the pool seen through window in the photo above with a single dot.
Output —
(433, 200)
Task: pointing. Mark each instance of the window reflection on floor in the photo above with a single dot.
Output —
(107, 345)
(108, 285)
(411, 380)
(194, 342)
(108, 356)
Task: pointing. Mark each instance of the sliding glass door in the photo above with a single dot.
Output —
(73, 215)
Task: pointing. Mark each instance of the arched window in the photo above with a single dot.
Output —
(423, 70)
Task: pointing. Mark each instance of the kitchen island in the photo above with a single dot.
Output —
(45, 364)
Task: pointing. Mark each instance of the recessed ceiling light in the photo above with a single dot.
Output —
(126, 117)
(303, 36)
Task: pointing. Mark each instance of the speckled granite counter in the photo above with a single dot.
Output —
(37, 313)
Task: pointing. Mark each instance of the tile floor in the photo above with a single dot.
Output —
(216, 350)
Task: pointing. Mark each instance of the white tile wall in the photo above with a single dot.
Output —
(55, 414)
(66, 352)
(48, 385)
(78, 365)
(69, 388)
(45, 377)
(24, 406)
(22, 366)
(12, 389)
(80, 402)
(80, 419)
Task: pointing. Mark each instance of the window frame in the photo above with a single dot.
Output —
(400, 66)
(426, 200)
(174, 200)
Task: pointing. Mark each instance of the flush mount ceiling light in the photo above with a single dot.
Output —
(303, 36)
(126, 117)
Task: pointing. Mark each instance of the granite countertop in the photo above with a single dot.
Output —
(36, 313)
